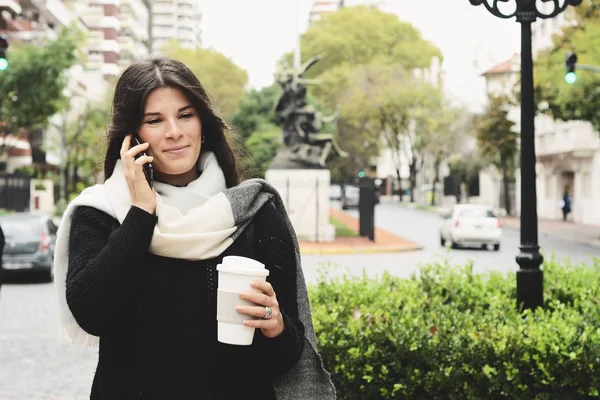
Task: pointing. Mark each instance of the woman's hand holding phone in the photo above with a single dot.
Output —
(142, 195)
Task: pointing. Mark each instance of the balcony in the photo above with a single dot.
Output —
(168, 8)
(187, 23)
(105, 46)
(167, 21)
(11, 6)
(576, 137)
(110, 70)
(138, 9)
(130, 26)
(128, 48)
(59, 12)
(94, 17)
(158, 33)
(94, 61)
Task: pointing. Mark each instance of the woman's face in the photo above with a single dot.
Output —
(173, 129)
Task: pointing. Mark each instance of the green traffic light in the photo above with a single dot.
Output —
(3, 64)
(570, 77)
(361, 174)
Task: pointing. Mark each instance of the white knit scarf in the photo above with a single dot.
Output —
(195, 222)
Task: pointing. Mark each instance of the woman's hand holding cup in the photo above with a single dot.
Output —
(273, 325)
(142, 195)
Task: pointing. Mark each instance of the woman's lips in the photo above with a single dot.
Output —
(177, 150)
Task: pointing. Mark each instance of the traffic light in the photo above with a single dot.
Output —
(4, 43)
(570, 64)
(361, 174)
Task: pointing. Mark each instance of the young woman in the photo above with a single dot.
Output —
(136, 257)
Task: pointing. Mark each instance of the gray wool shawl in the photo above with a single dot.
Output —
(308, 379)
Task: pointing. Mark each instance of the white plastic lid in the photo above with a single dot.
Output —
(243, 261)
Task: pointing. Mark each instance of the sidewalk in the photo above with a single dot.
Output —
(568, 231)
(385, 242)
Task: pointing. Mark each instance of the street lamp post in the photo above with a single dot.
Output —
(530, 280)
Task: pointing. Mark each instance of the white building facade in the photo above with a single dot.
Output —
(176, 20)
(567, 152)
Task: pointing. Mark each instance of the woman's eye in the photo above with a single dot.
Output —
(186, 116)
(153, 121)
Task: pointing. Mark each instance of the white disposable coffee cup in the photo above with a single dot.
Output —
(235, 275)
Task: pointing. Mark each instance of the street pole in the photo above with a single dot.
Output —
(63, 156)
(530, 281)
(297, 52)
(587, 67)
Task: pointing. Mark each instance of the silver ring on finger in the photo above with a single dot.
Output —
(268, 313)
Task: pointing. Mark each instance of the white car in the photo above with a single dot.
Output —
(350, 197)
(471, 225)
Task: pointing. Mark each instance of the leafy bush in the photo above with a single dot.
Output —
(449, 333)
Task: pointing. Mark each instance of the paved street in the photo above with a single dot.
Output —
(34, 365)
(422, 227)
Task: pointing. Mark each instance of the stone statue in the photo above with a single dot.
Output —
(304, 143)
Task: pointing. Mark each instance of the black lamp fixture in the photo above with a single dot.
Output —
(530, 281)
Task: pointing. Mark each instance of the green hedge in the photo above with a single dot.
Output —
(452, 334)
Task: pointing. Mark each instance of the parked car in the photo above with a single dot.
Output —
(350, 197)
(335, 192)
(30, 241)
(471, 225)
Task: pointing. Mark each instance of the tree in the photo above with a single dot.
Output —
(262, 146)
(498, 141)
(33, 85)
(370, 54)
(386, 99)
(224, 81)
(83, 140)
(581, 100)
(364, 35)
(464, 165)
(256, 109)
(443, 131)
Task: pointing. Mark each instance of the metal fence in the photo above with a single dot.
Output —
(15, 192)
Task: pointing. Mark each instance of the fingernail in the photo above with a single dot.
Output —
(253, 283)
(238, 308)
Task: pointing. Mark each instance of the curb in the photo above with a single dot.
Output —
(364, 250)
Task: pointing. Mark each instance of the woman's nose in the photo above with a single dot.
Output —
(173, 129)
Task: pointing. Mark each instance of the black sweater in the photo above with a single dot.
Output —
(156, 316)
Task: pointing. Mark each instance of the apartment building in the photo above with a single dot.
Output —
(178, 20)
(101, 17)
(134, 37)
(322, 7)
(34, 21)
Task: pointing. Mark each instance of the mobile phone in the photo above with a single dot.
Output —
(147, 167)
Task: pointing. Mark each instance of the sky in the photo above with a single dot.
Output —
(256, 33)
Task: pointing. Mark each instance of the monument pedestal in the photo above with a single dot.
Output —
(305, 193)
